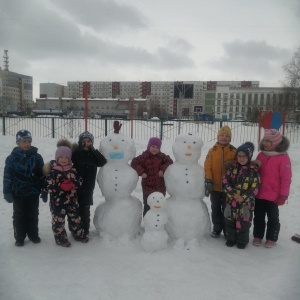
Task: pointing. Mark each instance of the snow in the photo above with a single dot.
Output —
(121, 269)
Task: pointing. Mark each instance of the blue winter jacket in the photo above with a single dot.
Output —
(23, 172)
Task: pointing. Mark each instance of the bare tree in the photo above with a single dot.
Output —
(291, 103)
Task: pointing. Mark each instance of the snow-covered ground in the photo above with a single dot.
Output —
(123, 270)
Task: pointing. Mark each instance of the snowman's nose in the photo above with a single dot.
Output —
(116, 147)
(189, 146)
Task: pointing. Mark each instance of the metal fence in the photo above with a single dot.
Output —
(55, 127)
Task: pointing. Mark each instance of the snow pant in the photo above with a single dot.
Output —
(241, 236)
(146, 206)
(263, 207)
(84, 213)
(58, 223)
(25, 217)
(218, 203)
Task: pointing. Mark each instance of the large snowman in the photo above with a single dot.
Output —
(119, 216)
(188, 217)
(155, 237)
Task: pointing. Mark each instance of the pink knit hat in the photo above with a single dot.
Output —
(63, 151)
(274, 136)
(154, 141)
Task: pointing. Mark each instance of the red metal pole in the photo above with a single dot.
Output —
(86, 107)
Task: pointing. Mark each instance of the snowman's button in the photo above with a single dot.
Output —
(187, 182)
(116, 184)
(158, 215)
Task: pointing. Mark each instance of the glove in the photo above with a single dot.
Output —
(44, 197)
(67, 185)
(8, 197)
(208, 187)
(281, 200)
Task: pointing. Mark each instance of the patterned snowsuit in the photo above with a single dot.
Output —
(62, 186)
(151, 165)
(244, 181)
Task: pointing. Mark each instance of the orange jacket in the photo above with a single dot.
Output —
(216, 160)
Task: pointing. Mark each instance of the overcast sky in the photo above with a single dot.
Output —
(149, 40)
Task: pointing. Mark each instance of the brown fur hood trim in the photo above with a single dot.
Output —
(74, 147)
(281, 148)
(47, 168)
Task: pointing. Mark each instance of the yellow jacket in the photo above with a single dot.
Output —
(216, 160)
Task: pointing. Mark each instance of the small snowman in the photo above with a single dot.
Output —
(188, 217)
(120, 215)
(155, 237)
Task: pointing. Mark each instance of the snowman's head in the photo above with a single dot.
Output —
(118, 147)
(187, 148)
(157, 201)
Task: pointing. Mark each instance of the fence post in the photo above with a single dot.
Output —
(53, 128)
(105, 126)
(3, 125)
(161, 129)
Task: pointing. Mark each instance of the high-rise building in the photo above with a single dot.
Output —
(48, 90)
(15, 91)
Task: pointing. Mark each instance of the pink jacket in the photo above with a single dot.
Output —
(275, 174)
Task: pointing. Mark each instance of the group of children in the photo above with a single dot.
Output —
(238, 186)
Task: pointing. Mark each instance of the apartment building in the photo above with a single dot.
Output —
(15, 92)
(180, 98)
(53, 90)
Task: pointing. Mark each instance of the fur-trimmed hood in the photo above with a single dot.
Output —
(281, 148)
(48, 167)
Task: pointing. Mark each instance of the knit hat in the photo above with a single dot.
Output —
(84, 135)
(224, 130)
(247, 148)
(63, 151)
(154, 141)
(274, 136)
(23, 135)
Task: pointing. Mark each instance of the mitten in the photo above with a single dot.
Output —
(281, 200)
(208, 187)
(8, 197)
(44, 197)
(67, 185)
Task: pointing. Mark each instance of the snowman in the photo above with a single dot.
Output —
(155, 237)
(188, 217)
(119, 216)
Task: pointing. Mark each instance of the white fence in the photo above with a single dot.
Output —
(138, 129)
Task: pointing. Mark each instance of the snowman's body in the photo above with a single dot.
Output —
(188, 217)
(120, 214)
(155, 236)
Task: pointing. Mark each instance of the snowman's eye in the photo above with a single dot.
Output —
(123, 140)
(184, 142)
(110, 140)
(194, 142)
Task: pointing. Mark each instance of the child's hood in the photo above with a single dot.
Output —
(47, 168)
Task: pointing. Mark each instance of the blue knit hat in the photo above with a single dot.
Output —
(23, 135)
(247, 148)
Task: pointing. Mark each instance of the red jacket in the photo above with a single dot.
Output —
(151, 165)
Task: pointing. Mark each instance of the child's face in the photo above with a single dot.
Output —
(224, 139)
(153, 149)
(86, 143)
(63, 161)
(242, 158)
(25, 145)
(267, 145)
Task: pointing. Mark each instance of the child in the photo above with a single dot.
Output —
(22, 185)
(151, 165)
(217, 158)
(86, 159)
(276, 176)
(241, 184)
(61, 182)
